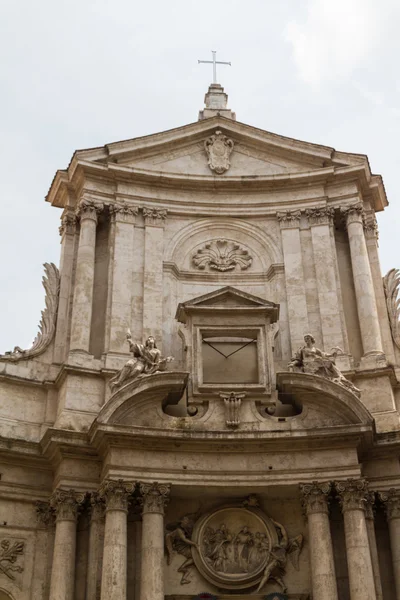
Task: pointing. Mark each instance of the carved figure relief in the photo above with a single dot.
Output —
(179, 540)
(311, 360)
(146, 360)
(218, 148)
(391, 284)
(47, 325)
(222, 255)
(10, 551)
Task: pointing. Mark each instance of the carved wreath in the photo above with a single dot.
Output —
(218, 148)
(222, 255)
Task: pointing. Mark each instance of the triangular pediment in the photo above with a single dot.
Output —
(227, 297)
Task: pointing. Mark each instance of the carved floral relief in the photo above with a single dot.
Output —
(218, 148)
(11, 552)
(222, 255)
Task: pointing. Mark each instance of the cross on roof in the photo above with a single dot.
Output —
(214, 62)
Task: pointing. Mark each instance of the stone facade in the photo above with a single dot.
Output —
(211, 405)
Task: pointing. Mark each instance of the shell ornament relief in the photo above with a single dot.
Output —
(222, 255)
(219, 148)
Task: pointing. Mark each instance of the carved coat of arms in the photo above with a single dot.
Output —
(218, 148)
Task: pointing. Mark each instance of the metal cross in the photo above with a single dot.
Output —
(214, 62)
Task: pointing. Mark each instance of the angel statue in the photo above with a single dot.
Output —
(178, 539)
(146, 360)
(312, 360)
(277, 558)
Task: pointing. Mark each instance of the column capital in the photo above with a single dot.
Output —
(353, 213)
(123, 212)
(68, 223)
(315, 497)
(370, 506)
(371, 227)
(391, 501)
(352, 494)
(155, 497)
(289, 219)
(89, 209)
(322, 215)
(116, 494)
(45, 514)
(66, 504)
(154, 216)
(97, 507)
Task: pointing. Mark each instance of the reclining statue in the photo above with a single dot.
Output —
(309, 359)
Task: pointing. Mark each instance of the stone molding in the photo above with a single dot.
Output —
(154, 497)
(45, 514)
(289, 219)
(68, 224)
(123, 212)
(66, 504)
(315, 497)
(353, 214)
(97, 507)
(89, 209)
(391, 501)
(352, 494)
(154, 216)
(222, 255)
(320, 215)
(116, 494)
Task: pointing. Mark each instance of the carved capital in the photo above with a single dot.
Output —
(289, 219)
(66, 504)
(45, 514)
(370, 506)
(123, 212)
(97, 507)
(353, 214)
(315, 497)
(320, 215)
(154, 216)
(371, 227)
(68, 224)
(89, 209)
(352, 494)
(391, 500)
(155, 497)
(116, 494)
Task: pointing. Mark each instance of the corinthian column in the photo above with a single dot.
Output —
(353, 495)
(96, 547)
(154, 500)
(370, 520)
(323, 577)
(363, 284)
(65, 504)
(84, 276)
(392, 506)
(113, 581)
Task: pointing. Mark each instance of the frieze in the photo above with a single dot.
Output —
(219, 148)
(222, 255)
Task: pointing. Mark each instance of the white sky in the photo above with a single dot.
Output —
(82, 73)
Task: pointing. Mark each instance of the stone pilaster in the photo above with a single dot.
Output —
(87, 212)
(96, 547)
(154, 219)
(320, 220)
(65, 504)
(353, 497)
(363, 283)
(154, 497)
(391, 501)
(123, 218)
(315, 499)
(370, 520)
(116, 497)
(289, 222)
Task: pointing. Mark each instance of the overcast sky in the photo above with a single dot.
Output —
(82, 73)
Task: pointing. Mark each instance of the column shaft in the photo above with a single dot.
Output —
(84, 277)
(153, 274)
(374, 550)
(363, 284)
(96, 548)
(392, 506)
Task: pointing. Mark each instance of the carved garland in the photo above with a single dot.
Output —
(47, 325)
(391, 284)
(222, 255)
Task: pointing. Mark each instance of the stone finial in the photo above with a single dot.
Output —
(154, 497)
(89, 209)
(391, 501)
(289, 219)
(315, 497)
(216, 104)
(116, 494)
(66, 504)
(352, 494)
(322, 215)
(154, 216)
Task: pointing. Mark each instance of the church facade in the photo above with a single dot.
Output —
(211, 406)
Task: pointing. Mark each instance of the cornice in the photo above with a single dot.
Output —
(256, 277)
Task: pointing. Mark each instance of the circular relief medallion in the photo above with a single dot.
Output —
(233, 546)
